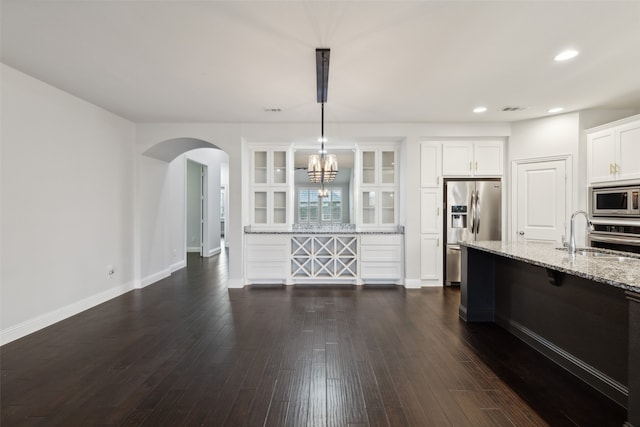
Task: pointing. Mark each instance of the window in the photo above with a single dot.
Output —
(313, 209)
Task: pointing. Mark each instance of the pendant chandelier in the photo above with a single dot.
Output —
(322, 167)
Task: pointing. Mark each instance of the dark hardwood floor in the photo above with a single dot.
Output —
(187, 351)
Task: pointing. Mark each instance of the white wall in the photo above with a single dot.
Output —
(67, 204)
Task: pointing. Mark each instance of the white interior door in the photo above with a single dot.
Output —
(541, 200)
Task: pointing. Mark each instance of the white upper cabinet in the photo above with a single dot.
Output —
(457, 158)
(430, 164)
(628, 139)
(378, 166)
(472, 158)
(613, 152)
(601, 156)
(269, 167)
(269, 189)
(378, 196)
(487, 158)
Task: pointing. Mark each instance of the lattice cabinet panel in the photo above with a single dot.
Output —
(324, 257)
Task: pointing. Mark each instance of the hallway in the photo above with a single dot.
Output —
(187, 351)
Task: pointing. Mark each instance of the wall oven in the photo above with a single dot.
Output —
(617, 235)
(615, 202)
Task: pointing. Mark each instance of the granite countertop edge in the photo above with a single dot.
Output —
(354, 232)
(609, 272)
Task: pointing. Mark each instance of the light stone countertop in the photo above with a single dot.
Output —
(622, 274)
(323, 230)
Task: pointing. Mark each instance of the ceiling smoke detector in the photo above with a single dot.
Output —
(509, 109)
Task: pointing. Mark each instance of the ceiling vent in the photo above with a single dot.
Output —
(509, 109)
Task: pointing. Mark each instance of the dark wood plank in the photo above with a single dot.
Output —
(187, 351)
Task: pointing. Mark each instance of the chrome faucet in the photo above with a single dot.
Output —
(572, 238)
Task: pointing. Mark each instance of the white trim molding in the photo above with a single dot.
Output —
(235, 283)
(178, 265)
(412, 283)
(153, 278)
(214, 251)
(30, 326)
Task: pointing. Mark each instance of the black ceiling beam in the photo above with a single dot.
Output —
(322, 73)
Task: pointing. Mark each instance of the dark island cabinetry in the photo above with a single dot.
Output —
(588, 324)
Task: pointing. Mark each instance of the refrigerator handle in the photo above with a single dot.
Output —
(477, 211)
(472, 204)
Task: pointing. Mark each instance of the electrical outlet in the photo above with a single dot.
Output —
(111, 270)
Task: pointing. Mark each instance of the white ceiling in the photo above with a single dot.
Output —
(391, 61)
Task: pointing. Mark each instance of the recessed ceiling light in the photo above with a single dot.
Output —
(566, 55)
(555, 110)
(480, 109)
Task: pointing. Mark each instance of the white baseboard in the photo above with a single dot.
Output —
(30, 326)
(153, 278)
(432, 284)
(412, 283)
(178, 265)
(193, 249)
(214, 251)
(235, 283)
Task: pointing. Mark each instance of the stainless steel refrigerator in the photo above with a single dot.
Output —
(474, 212)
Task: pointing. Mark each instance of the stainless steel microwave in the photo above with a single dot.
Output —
(615, 201)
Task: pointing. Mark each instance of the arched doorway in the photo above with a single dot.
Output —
(164, 237)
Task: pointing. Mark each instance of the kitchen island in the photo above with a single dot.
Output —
(582, 311)
(324, 255)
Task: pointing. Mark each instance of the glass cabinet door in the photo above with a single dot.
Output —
(259, 167)
(388, 171)
(279, 171)
(387, 214)
(368, 167)
(260, 207)
(279, 207)
(368, 207)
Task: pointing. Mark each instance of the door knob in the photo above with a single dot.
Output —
(521, 233)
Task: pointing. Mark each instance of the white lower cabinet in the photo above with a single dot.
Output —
(381, 258)
(431, 258)
(317, 258)
(267, 258)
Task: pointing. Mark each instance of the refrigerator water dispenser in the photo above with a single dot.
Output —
(459, 216)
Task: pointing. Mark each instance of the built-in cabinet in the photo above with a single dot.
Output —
(381, 258)
(431, 253)
(613, 152)
(290, 258)
(440, 160)
(267, 257)
(269, 189)
(378, 186)
(326, 257)
(472, 158)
